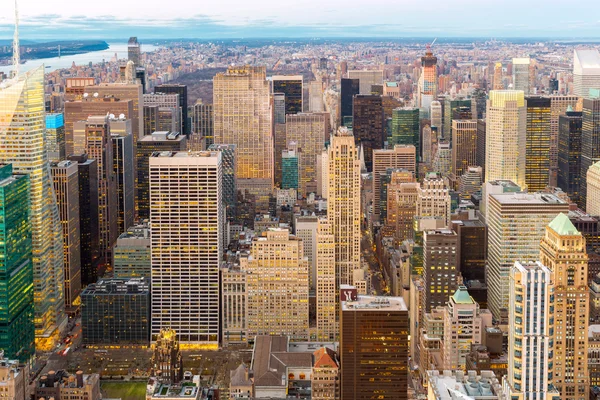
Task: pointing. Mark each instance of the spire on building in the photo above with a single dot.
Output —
(16, 51)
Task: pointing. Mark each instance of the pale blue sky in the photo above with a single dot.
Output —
(106, 19)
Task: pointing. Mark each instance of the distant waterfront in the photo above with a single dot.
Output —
(80, 59)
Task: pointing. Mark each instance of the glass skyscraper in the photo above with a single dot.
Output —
(289, 170)
(405, 128)
(22, 143)
(17, 332)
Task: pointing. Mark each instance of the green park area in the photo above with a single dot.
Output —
(123, 390)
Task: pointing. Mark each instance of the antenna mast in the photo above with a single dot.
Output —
(16, 55)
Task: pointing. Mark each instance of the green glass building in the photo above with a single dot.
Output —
(405, 128)
(289, 170)
(17, 329)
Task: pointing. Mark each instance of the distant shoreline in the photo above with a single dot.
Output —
(50, 50)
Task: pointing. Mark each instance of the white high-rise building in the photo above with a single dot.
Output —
(593, 190)
(433, 198)
(516, 224)
(22, 144)
(506, 136)
(586, 71)
(520, 68)
(435, 113)
(315, 97)
(366, 79)
(186, 217)
(305, 228)
(343, 204)
(530, 315)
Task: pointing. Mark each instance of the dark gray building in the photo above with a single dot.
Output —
(116, 311)
(228, 168)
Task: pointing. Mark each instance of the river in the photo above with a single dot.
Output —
(54, 63)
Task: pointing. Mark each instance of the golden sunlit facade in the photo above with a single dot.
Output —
(22, 143)
(325, 283)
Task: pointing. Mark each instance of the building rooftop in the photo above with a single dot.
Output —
(271, 359)
(527, 198)
(118, 286)
(462, 296)
(366, 303)
(453, 385)
(585, 59)
(563, 226)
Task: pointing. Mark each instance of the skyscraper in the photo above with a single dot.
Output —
(372, 367)
(291, 86)
(433, 198)
(590, 138)
(520, 71)
(344, 204)
(181, 90)
(506, 136)
(65, 176)
(162, 112)
(516, 224)
(308, 132)
(186, 216)
(366, 78)
(315, 94)
(593, 189)
(123, 169)
(435, 115)
(277, 268)
(405, 128)
(134, 50)
(559, 105)
(440, 266)
(530, 314)
(400, 157)
(228, 168)
(569, 155)
(325, 282)
(367, 125)
(348, 89)
(96, 131)
(537, 143)
(55, 137)
(563, 251)
(428, 82)
(451, 105)
(481, 145)
(202, 122)
(289, 169)
(464, 146)
(243, 116)
(17, 330)
(23, 126)
(586, 71)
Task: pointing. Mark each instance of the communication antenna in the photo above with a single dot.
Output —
(16, 55)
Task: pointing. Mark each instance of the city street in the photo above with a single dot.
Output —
(378, 284)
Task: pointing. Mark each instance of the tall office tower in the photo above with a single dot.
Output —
(228, 167)
(124, 92)
(586, 71)
(537, 143)
(569, 154)
(164, 113)
(307, 131)
(186, 219)
(371, 367)
(427, 89)
(325, 282)
(55, 137)
(202, 121)
(343, 204)
(435, 114)
(498, 84)
(292, 87)
(470, 182)
(563, 251)
(131, 254)
(76, 111)
(506, 130)
(17, 330)
(401, 209)
(289, 169)
(315, 97)
(279, 108)
(427, 146)
(280, 142)
(405, 127)
(593, 190)
(348, 89)
(464, 325)
(305, 228)
(277, 266)
(367, 125)
(442, 161)
(516, 223)
(22, 140)
(65, 176)
(520, 70)
(96, 133)
(531, 312)
(450, 107)
(400, 157)
(156, 142)
(134, 50)
(181, 90)
(434, 197)
(440, 266)
(75, 87)
(590, 138)
(559, 105)
(472, 248)
(243, 116)
(123, 168)
(464, 146)
(366, 78)
(390, 180)
(480, 159)
(323, 174)
(88, 217)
